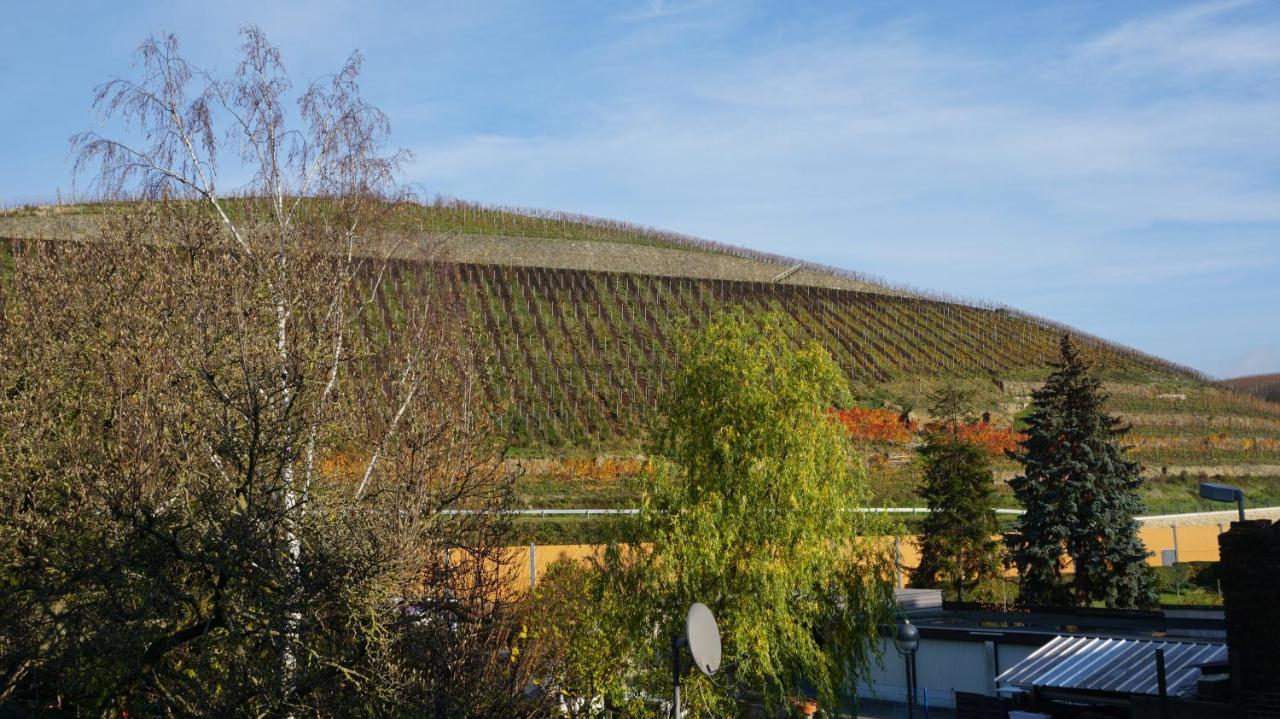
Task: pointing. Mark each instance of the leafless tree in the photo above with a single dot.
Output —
(247, 466)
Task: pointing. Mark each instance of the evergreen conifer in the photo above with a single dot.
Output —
(957, 548)
(1080, 493)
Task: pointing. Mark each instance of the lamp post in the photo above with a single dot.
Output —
(1223, 493)
(907, 640)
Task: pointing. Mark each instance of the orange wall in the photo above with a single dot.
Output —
(1195, 544)
(546, 554)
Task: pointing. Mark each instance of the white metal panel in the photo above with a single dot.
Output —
(888, 678)
(943, 667)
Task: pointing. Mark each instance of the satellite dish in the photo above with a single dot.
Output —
(704, 638)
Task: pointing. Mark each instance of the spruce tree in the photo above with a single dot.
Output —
(957, 548)
(1081, 497)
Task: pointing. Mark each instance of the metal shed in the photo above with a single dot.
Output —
(1116, 666)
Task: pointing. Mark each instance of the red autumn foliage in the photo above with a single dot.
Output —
(994, 439)
(876, 425)
(886, 425)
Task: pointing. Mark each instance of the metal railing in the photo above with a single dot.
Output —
(587, 512)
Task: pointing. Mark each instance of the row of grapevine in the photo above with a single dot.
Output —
(455, 216)
(576, 357)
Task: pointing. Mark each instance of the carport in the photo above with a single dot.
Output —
(1108, 671)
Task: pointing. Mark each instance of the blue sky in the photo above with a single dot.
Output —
(1115, 166)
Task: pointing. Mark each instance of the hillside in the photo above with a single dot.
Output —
(1266, 386)
(574, 319)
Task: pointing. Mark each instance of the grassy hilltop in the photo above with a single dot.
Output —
(574, 319)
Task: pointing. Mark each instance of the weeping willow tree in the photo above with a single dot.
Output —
(748, 512)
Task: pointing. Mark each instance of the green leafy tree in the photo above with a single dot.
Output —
(748, 513)
(957, 544)
(583, 659)
(1080, 493)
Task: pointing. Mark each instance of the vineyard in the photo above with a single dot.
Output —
(576, 358)
(580, 358)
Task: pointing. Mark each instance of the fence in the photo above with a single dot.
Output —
(1193, 537)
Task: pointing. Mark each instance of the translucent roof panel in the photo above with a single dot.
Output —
(1122, 666)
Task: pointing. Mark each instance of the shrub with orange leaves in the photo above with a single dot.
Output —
(995, 440)
(876, 425)
(341, 464)
(596, 469)
(886, 425)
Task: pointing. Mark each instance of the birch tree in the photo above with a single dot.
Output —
(238, 430)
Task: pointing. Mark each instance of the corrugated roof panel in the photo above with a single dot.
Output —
(1108, 664)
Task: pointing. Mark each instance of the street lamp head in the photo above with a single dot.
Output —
(1223, 493)
(907, 640)
(1218, 492)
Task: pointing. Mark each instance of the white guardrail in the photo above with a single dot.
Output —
(892, 510)
(589, 512)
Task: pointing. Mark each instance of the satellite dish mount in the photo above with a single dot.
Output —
(702, 637)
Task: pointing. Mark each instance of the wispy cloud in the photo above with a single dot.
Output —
(656, 9)
(892, 120)
(1202, 39)
(1263, 359)
(1149, 271)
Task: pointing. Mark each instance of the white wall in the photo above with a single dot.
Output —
(942, 668)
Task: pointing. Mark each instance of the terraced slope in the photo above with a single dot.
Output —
(575, 319)
(580, 357)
